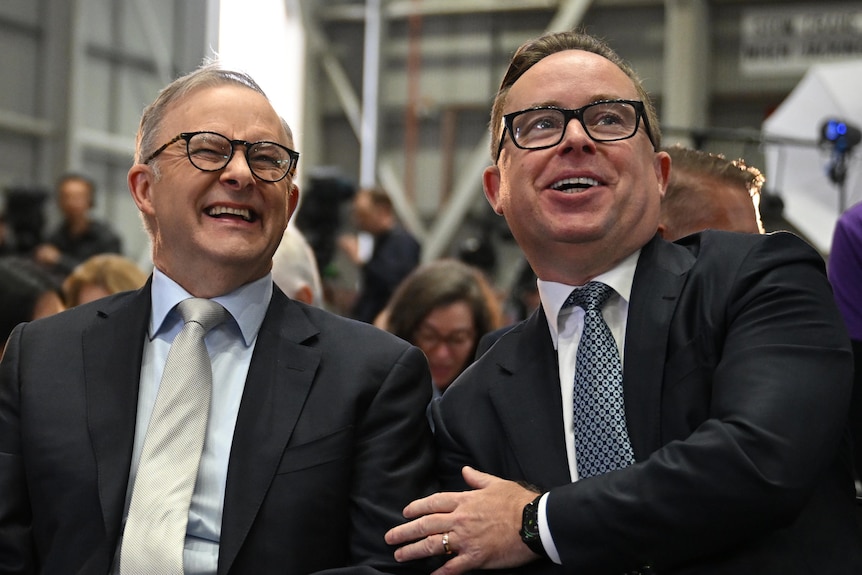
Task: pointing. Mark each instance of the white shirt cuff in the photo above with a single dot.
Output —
(545, 531)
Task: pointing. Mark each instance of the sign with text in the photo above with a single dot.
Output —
(787, 40)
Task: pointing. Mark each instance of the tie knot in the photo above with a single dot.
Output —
(591, 296)
(203, 311)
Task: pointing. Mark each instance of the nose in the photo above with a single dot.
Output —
(237, 173)
(440, 351)
(575, 136)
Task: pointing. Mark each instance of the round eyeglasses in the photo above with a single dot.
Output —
(604, 121)
(211, 152)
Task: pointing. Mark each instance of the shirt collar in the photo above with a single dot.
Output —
(247, 304)
(554, 294)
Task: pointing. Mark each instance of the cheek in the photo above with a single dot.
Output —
(461, 356)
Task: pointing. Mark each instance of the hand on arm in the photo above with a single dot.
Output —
(482, 526)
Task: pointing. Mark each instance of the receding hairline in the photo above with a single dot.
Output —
(208, 76)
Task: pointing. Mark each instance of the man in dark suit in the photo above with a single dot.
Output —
(79, 236)
(317, 435)
(394, 255)
(736, 368)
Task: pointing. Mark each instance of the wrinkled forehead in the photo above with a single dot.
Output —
(207, 107)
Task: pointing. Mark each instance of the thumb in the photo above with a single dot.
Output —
(477, 479)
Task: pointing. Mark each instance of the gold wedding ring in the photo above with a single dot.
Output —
(446, 549)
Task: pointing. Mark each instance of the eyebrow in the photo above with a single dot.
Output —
(592, 100)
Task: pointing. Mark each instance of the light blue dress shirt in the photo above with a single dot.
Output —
(230, 346)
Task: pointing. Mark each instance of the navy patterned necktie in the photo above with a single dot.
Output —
(601, 439)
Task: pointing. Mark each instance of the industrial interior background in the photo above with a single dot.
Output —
(393, 91)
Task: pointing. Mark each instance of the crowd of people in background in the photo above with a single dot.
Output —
(78, 261)
(457, 315)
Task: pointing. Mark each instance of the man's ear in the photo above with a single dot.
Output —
(292, 199)
(491, 186)
(140, 179)
(662, 170)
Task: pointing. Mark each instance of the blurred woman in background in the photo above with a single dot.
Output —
(102, 275)
(444, 308)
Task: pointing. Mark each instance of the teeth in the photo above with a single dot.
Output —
(221, 210)
(575, 182)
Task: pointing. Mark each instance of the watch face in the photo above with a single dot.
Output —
(530, 528)
(530, 521)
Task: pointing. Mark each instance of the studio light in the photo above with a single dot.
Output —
(840, 138)
(840, 134)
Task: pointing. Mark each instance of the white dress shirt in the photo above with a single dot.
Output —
(230, 346)
(566, 326)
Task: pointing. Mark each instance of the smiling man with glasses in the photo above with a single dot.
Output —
(122, 451)
(669, 408)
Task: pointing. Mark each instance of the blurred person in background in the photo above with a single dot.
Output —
(294, 268)
(79, 235)
(102, 275)
(394, 253)
(27, 292)
(707, 191)
(443, 307)
(845, 275)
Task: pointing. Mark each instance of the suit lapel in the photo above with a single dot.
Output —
(527, 399)
(659, 278)
(112, 347)
(279, 379)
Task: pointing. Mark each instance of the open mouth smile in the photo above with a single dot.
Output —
(574, 185)
(226, 212)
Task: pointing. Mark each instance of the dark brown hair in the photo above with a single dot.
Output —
(439, 283)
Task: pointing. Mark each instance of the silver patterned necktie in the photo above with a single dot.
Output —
(155, 529)
(601, 438)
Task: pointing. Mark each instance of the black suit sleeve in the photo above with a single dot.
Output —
(16, 546)
(393, 462)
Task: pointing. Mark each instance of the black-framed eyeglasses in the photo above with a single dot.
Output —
(545, 127)
(211, 152)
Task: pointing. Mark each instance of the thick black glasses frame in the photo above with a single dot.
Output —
(568, 114)
(187, 136)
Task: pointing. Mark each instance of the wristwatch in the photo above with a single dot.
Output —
(530, 528)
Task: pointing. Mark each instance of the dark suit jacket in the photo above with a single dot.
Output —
(737, 380)
(331, 441)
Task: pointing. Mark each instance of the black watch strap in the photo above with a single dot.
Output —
(530, 528)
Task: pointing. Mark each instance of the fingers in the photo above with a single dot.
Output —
(443, 502)
(439, 544)
(416, 530)
(434, 544)
(477, 479)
